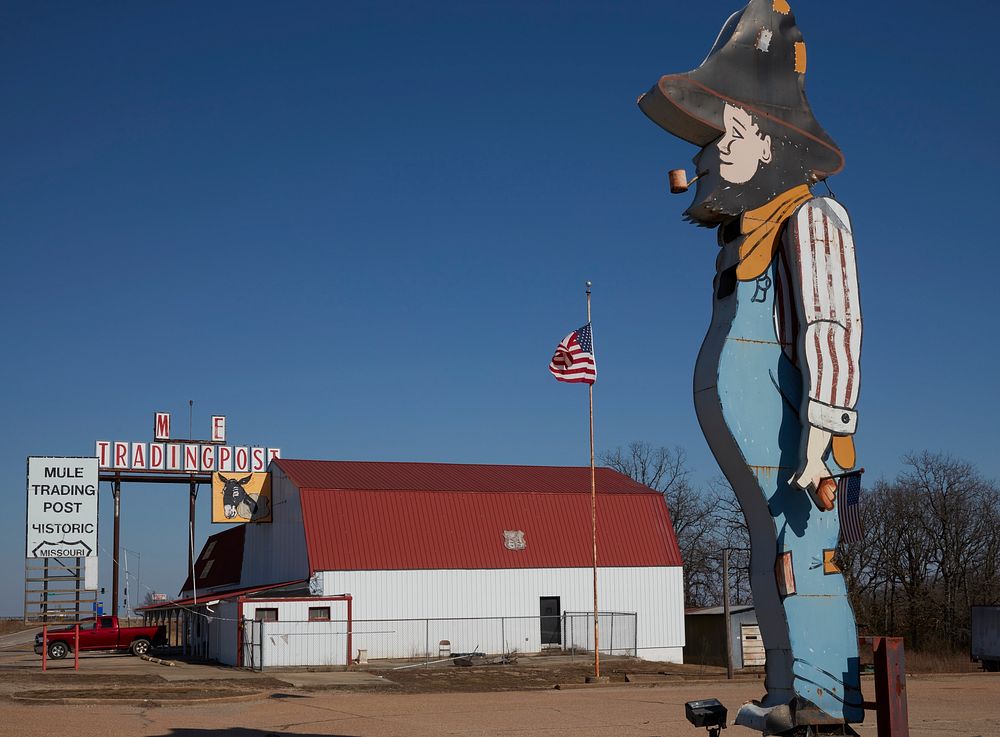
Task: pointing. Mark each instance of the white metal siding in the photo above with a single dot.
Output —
(656, 595)
(276, 552)
(304, 643)
(295, 641)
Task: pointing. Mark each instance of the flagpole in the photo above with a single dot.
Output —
(593, 509)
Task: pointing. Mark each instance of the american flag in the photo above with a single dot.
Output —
(849, 494)
(573, 361)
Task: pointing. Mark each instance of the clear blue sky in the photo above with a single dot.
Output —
(359, 230)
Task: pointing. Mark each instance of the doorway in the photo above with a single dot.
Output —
(550, 620)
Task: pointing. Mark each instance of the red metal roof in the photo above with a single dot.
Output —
(396, 516)
(384, 476)
(220, 561)
(219, 596)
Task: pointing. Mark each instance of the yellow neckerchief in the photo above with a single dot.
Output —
(761, 229)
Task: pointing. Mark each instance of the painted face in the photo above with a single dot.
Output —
(742, 149)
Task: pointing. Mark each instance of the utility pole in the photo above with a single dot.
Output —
(726, 614)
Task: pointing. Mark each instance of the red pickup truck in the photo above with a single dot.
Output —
(102, 633)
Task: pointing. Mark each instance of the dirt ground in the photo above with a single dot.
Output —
(940, 706)
(119, 696)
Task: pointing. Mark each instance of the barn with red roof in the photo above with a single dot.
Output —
(415, 559)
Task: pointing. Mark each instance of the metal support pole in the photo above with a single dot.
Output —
(76, 646)
(45, 592)
(572, 635)
(350, 627)
(726, 614)
(116, 490)
(193, 497)
(635, 635)
(79, 589)
(890, 688)
(45, 646)
(593, 514)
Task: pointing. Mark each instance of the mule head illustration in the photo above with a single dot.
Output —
(234, 494)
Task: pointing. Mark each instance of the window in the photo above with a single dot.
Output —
(265, 615)
(208, 550)
(107, 622)
(204, 571)
(319, 614)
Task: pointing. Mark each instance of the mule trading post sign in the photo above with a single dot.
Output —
(62, 505)
(166, 455)
(60, 578)
(62, 508)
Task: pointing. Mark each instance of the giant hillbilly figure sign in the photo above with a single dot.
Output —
(777, 377)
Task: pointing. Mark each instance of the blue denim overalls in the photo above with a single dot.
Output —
(747, 395)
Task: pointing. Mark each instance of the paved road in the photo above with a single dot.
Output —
(940, 706)
(16, 639)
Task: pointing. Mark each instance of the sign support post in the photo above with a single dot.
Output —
(116, 490)
(45, 587)
(192, 498)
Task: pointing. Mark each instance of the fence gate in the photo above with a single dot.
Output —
(618, 632)
(253, 644)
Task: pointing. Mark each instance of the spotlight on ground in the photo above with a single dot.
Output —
(707, 713)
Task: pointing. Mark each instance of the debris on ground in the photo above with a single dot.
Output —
(469, 659)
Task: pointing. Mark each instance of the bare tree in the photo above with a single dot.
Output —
(732, 532)
(931, 550)
(662, 469)
(692, 512)
(955, 521)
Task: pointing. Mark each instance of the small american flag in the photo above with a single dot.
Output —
(849, 494)
(573, 361)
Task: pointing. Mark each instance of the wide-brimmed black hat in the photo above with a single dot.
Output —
(758, 63)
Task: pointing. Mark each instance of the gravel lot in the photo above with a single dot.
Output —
(428, 702)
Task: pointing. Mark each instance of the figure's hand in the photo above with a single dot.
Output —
(825, 495)
(813, 475)
(816, 482)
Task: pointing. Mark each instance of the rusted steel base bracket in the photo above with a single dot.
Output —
(890, 686)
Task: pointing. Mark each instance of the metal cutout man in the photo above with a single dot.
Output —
(777, 377)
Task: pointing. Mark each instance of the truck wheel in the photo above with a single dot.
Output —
(140, 647)
(58, 650)
(991, 666)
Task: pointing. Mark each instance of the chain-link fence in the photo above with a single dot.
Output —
(318, 643)
(616, 632)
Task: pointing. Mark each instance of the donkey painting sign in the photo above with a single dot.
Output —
(62, 508)
(241, 497)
